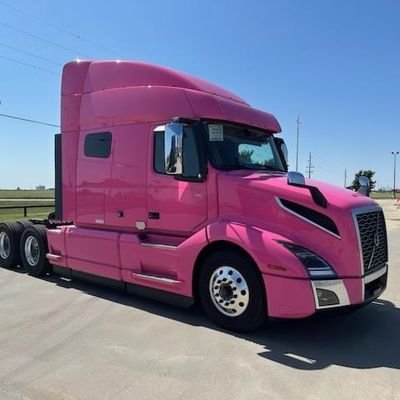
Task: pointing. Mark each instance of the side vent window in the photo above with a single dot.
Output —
(98, 145)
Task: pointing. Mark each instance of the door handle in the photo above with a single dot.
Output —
(154, 215)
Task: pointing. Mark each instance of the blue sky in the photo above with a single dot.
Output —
(336, 63)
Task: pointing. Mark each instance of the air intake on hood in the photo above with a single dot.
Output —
(311, 215)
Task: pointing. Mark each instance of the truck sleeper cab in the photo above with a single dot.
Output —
(167, 185)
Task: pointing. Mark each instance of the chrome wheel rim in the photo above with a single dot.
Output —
(229, 291)
(32, 251)
(4, 245)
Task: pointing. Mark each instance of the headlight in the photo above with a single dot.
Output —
(316, 266)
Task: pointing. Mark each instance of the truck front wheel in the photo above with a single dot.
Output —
(231, 291)
(34, 250)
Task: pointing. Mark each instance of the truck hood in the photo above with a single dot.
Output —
(275, 184)
(255, 199)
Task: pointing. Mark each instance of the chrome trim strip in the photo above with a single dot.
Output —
(337, 286)
(278, 200)
(155, 278)
(375, 275)
(355, 212)
(159, 246)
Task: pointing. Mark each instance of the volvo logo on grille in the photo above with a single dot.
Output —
(376, 239)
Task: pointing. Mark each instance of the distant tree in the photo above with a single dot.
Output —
(368, 173)
(245, 156)
(18, 188)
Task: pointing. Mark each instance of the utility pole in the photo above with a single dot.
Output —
(395, 153)
(310, 167)
(297, 143)
(345, 178)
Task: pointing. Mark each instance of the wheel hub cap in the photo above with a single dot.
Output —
(229, 291)
(4, 245)
(32, 251)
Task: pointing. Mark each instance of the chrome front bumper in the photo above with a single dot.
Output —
(333, 293)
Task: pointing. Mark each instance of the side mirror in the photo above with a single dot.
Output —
(295, 179)
(283, 151)
(365, 186)
(173, 141)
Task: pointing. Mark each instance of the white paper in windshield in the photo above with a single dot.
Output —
(215, 133)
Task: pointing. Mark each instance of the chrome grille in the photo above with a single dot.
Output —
(373, 240)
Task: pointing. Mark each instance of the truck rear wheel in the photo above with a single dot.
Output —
(25, 224)
(231, 291)
(10, 235)
(34, 249)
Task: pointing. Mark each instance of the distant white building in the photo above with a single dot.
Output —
(40, 187)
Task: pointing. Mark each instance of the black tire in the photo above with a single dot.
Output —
(34, 249)
(25, 224)
(253, 312)
(10, 236)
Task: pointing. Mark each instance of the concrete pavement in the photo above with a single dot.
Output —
(71, 340)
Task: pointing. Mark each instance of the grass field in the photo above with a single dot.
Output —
(26, 194)
(18, 198)
(382, 195)
(16, 214)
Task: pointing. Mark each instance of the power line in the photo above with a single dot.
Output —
(43, 40)
(29, 53)
(33, 121)
(29, 65)
(54, 26)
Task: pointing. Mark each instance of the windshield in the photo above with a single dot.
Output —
(232, 147)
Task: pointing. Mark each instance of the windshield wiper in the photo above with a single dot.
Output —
(263, 168)
(248, 168)
(232, 167)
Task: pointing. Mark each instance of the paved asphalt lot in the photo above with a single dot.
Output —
(71, 340)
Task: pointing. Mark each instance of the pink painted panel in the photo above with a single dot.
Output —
(94, 251)
(260, 244)
(213, 107)
(95, 268)
(176, 263)
(92, 178)
(130, 252)
(250, 198)
(56, 243)
(289, 298)
(354, 287)
(182, 205)
(114, 74)
(133, 105)
(74, 77)
(126, 190)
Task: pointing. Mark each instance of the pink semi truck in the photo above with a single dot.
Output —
(171, 187)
